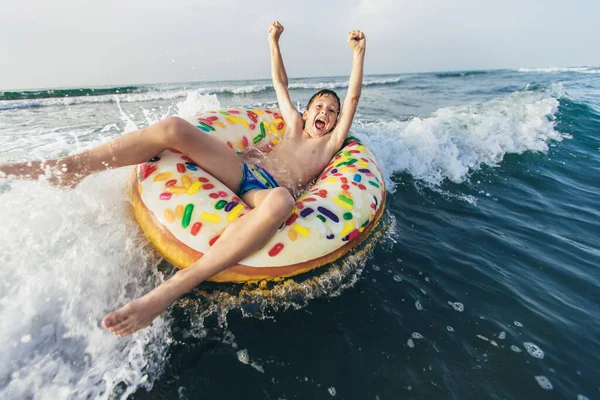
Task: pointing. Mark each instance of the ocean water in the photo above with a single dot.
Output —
(482, 281)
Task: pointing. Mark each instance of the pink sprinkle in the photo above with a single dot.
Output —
(165, 196)
(222, 194)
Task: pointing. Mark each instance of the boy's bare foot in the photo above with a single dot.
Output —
(136, 314)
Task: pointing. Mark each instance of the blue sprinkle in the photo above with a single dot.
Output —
(331, 236)
(328, 214)
(230, 205)
(365, 170)
(357, 178)
(202, 128)
(306, 212)
(155, 159)
(193, 164)
(191, 168)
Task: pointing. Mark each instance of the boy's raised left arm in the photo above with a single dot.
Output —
(357, 41)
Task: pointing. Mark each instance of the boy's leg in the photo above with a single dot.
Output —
(136, 147)
(240, 239)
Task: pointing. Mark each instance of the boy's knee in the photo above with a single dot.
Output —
(173, 129)
(280, 203)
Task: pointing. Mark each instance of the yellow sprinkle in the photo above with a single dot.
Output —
(235, 213)
(293, 235)
(331, 179)
(276, 140)
(176, 189)
(301, 230)
(219, 124)
(258, 112)
(363, 164)
(194, 187)
(187, 181)
(348, 227)
(232, 120)
(162, 177)
(169, 216)
(207, 217)
(140, 189)
(347, 194)
(179, 211)
(277, 120)
(342, 203)
(295, 210)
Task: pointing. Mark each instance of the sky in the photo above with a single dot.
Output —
(74, 43)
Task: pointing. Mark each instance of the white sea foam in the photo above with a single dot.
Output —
(67, 259)
(582, 70)
(455, 141)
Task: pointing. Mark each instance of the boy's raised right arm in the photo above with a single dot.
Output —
(280, 80)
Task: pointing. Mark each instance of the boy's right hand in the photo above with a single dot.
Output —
(275, 30)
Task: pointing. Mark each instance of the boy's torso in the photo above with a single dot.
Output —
(296, 161)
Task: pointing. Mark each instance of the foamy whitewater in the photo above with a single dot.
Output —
(487, 288)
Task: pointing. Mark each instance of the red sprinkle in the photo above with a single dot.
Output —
(353, 235)
(180, 168)
(186, 158)
(203, 180)
(196, 228)
(165, 196)
(213, 196)
(222, 194)
(291, 219)
(147, 171)
(208, 186)
(345, 187)
(299, 205)
(344, 179)
(170, 182)
(236, 199)
(362, 187)
(175, 151)
(245, 141)
(213, 240)
(276, 249)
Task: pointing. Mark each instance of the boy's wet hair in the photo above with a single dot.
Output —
(325, 92)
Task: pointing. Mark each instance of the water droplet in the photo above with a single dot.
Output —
(243, 356)
(457, 306)
(331, 391)
(544, 382)
(502, 335)
(418, 305)
(410, 343)
(533, 350)
(515, 349)
(397, 278)
(376, 268)
(517, 323)
(450, 329)
(417, 335)
(26, 338)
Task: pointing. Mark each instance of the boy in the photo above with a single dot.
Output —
(320, 132)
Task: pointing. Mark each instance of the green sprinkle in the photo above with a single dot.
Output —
(346, 153)
(374, 184)
(322, 218)
(224, 113)
(220, 204)
(365, 224)
(262, 129)
(347, 216)
(202, 124)
(257, 139)
(187, 215)
(345, 199)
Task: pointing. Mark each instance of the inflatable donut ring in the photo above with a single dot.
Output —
(183, 210)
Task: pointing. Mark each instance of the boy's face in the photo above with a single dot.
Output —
(321, 117)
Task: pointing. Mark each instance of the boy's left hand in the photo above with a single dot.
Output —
(356, 40)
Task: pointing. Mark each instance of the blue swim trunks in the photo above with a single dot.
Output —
(255, 177)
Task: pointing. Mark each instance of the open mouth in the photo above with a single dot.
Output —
(319, 124)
